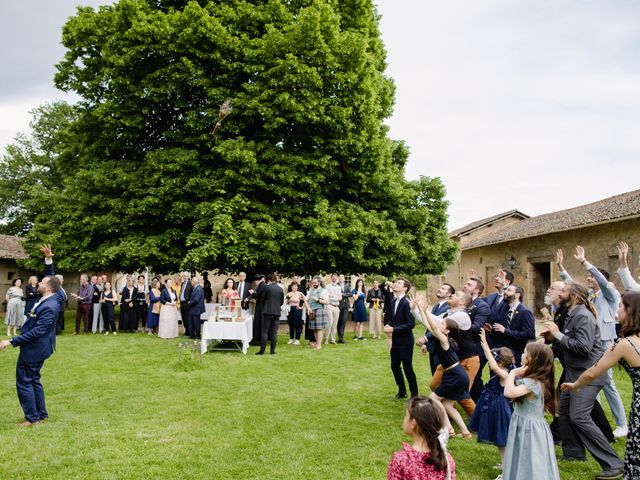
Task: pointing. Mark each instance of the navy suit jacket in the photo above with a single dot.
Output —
(196, 302)
(244, 300)
(402, 322)
(519, 333)
(50, 271)
(440, 309)
(492, 301)
(37, 340)
(165, 296)
(272, 298)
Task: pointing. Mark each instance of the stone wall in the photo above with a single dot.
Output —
(535, 258)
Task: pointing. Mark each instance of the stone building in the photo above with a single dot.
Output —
(11, 252)
(527, 245)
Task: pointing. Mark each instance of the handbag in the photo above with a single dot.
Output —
(312, 315)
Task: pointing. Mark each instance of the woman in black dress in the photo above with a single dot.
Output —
(108, 299)
(31, 294)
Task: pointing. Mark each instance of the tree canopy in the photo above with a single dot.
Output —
(300, 176)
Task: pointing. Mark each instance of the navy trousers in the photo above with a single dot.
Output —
(30, 391)
(403, 355)
(194, 326)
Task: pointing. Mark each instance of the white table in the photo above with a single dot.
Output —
(216, 331)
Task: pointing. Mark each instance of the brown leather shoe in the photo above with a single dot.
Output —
(27, 423)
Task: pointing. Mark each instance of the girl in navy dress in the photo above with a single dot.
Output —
(493, 412)
(359, 310)
(455, 381)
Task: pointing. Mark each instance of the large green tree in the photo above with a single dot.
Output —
(300, 176)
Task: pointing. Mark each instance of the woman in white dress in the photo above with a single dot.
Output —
(15, 307)
(168, 312)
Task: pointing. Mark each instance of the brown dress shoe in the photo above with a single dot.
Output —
(27, 423)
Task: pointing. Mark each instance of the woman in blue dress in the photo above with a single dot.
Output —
(359, 310)
(153, 320)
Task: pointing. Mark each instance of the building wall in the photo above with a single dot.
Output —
(533, 255)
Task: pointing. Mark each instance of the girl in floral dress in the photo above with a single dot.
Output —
(426, 458)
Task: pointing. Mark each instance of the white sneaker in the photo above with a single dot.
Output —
(621, 431)
(290, 341)
(296, 342)
(107, 333)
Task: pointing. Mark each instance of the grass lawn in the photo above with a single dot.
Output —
(135, 407)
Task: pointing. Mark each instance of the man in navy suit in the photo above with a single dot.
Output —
(503, 279)
(516, 325)
(272, 298)
(37, 342)
(243, 289)
(400, 327)
(196, 308)
(185, 294)
(480, 315)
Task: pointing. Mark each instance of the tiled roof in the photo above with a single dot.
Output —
(619, 207)
(480, 223)
(11, 248)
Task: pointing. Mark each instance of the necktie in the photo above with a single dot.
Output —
(395, 305)
(509, 317)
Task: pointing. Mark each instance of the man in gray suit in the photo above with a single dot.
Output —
(271, 298)
(580, 344)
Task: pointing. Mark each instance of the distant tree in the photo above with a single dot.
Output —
(31, 166)
(300, 176)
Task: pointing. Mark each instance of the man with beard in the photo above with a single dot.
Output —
(480, 314)
(443, 294)
(560, 311)
(605, 299)
(37, 342)
(516, 326)
(503, 279)
(581, 347)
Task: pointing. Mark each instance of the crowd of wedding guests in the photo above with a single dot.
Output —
(589, 328)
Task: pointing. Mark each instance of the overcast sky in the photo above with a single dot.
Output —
(530, 104)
